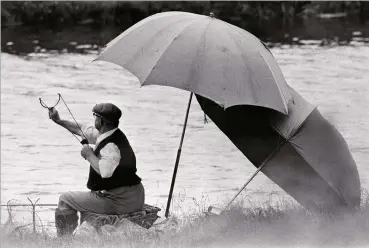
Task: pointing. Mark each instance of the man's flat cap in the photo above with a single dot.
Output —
(107, 111)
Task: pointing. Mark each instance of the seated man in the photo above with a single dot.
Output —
(114, 186)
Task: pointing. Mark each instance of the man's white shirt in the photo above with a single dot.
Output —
(109, 155)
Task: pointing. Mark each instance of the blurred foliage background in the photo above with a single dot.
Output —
(55, 24)
(248, 15)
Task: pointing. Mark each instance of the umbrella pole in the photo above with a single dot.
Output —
(177, 159)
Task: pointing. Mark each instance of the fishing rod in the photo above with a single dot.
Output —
(84, 141)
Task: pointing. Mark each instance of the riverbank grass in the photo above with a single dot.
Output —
(268, 226)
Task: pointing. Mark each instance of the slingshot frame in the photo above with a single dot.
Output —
(49, 108)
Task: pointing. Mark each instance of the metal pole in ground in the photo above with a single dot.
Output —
(177, 159)
(33, 214)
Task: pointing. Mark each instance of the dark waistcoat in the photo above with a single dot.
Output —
(124, 174)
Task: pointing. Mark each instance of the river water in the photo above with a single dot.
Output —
(42, 160)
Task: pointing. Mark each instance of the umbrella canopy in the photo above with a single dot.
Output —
(240, 86)
(203, 55)
(312, 164)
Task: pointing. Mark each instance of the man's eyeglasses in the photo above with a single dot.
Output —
(96, 115)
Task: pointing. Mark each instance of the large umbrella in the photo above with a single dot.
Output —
(302, 153)
(240, 86)
(203, 55)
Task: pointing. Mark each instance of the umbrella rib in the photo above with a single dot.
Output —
(139, 24)
(201, 40)
(170, 44)
(150, 41)
(298, 149)
(338, 192)
(246, 64)
(280, 91)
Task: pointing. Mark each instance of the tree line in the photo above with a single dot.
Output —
(248, 15)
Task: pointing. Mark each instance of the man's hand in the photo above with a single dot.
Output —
(87, 151)
(54, 115)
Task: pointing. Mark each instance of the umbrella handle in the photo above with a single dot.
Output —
(253, 175)
(244, 186)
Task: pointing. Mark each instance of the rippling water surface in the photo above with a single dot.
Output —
(42, 160)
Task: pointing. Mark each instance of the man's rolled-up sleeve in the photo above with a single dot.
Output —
(110, 158)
